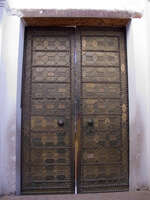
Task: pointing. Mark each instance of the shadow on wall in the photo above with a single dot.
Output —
(138, 149)
(3, 127)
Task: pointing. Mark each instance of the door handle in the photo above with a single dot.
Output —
(60, 122)
(90, 122)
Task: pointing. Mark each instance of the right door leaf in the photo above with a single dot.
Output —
(104, 112)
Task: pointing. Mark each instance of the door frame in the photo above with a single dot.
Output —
(132, 63)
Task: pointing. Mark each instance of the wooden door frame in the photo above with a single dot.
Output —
(76, 21)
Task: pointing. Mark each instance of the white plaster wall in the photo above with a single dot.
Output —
(128, 5)
(84, 8)
(1, 82)
(8, 101)
(148, 71)
(18, 107)
(1, 25)
(139, 101)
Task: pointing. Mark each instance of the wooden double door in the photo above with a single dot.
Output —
(74, 111)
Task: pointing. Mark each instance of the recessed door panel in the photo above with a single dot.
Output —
(96, 74)
(100, 58)
(102, 43)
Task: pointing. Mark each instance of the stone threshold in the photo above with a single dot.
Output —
(97, 196)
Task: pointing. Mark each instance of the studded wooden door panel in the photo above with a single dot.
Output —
(47, 139)
(75, 111)
(103, 148)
